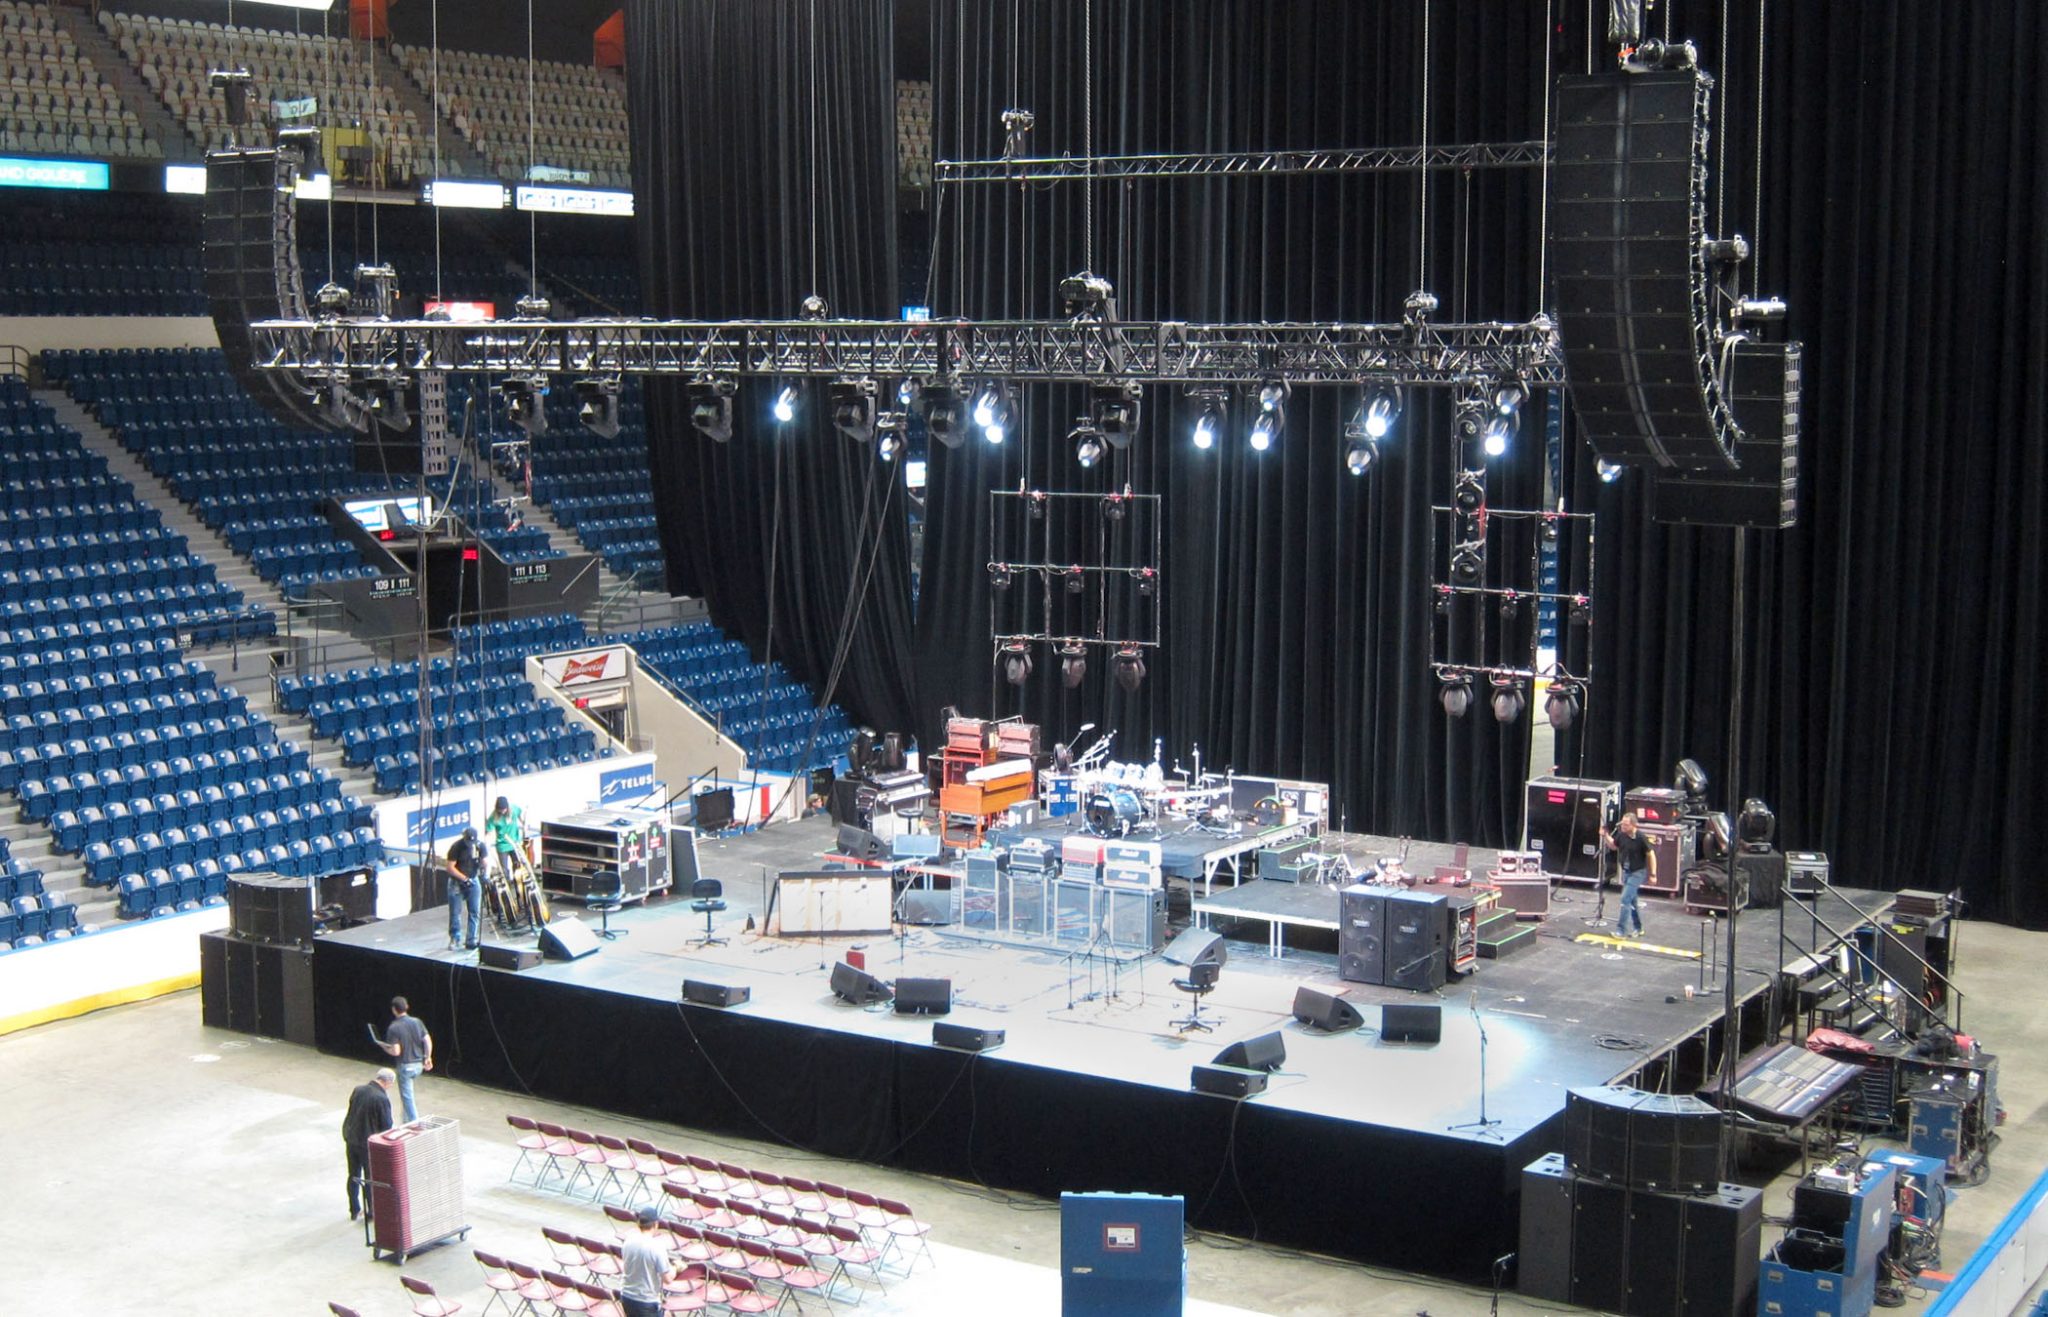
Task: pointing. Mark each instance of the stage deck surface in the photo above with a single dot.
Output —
(1556, 1015)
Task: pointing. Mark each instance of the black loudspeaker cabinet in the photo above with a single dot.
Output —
(252, 273)
(1196, 946)
(1228, 1081)
(1321, 1010)
(1765, 871)
(567, 938)
(1267, 1052)
(1763, 387)
(1562, 818)
(1408, 1022)
(714, 994)
(966, 1037)
(1362, 935)
(924, 996)
(1650, 1254)
(507, 955)
(269, 907)
(857, 986)
(1543, 1257)
(1622, 1135)
(1626, 223)
(1418, 940)
(256, 987)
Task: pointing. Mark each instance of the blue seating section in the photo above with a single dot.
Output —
(487, 720)
(597, 488)
(131, 754)
(717, 675)
(59, 277)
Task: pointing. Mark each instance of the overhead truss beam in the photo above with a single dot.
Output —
(1360, 160)
(1418, 353)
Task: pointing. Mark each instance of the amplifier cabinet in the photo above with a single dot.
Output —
(1562, 819)
(1418, 940)
(1362, 935)
(1136, 919)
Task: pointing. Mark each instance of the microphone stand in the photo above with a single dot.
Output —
(1484, 1126)
(1599, 919)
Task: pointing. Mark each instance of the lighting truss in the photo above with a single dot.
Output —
(1425, 353)
(1356, 160)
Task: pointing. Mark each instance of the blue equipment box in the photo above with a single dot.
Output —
(1121, 1255)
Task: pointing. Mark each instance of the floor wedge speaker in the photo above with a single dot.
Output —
(857, 986)
(714, 994)
(506, 955)
(924, 996)
(1229, 1081)
(966, 1037)
(1195, 946)
(567, 938)
(1406, 1022)
(1321, 1010)
(1268, 1052)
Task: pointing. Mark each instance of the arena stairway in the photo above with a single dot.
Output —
(115, 70)
(458, 158)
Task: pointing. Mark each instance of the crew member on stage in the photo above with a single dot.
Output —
(407, 1041)
(369, 1112)
(1638, 862)
(465, 886)
(507, 827)
(645, 1266)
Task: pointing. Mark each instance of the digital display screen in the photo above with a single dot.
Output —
(82, 175)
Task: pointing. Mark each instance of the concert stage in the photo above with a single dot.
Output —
(1360, 1148)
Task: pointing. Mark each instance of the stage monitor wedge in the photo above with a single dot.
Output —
(700, 993)
(1324, 1011)
(858, 987)
(567, 938)
(1194, 946)
(924, 996)
(966, 1037)
(1228, 1081)
(1266, 1052)
(1406, 1022)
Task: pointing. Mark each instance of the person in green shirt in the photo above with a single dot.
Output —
(506, 827)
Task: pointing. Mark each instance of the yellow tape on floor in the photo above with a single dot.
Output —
(70, 1010)
(1630, 944)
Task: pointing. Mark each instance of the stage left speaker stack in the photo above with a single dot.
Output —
(258, 976)
(1632, 1218)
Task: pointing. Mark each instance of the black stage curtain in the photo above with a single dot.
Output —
(742, 210)
(1892, 696)
(1296, 618)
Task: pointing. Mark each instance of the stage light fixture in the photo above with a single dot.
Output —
(1549, 529)
(1148, 581)
(1454, 692)
(1073, 663)
(1114, 505)
(815, 307)
(1471, 410)
(1264, 430)
(1580, 610)
(1498, 431)
(1038, 500)
(331, 301)
(1507, 698)
(1690, 778)
(711, 407)
(784, 407)
(1076, 579)
(945, 414)
(1272, 417)
(1510, 605)
(994, 412)
(906, 392)
(852, 404)
(999, 576)
(1359, 455)
(1115, 408)
(1609, 472)
(1443, 600)
(1561, 705)
(1468, 562)
(342, 408)
(598, 406)
(1016, 662)
(1508, 397)
(1088, 447)
(887, 444)
(388, 401)
(1382, 408)
(1087, 296)
(1209, 422)
(1756, 826)
(1129, 668)
(526, 402)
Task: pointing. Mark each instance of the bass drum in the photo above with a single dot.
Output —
(1113, 813)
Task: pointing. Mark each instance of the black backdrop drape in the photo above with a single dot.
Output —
(742, 211)
(1894, 635)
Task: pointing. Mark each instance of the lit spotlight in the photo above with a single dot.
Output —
(1382, 409)
(1073, 663)
(1507, 699)
(1494, 438)
(1129, 667)
(1272, 417)
(887, 445)
(1508, 398)
(994, 412)
(1016, 660)
(785, 404)
(852, 404)
(1210, 421)
(1609, 472)
(711, 408)
(1359, 456)
(1454, 692)
(1088, 447)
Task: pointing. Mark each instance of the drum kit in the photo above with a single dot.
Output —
(516, 904)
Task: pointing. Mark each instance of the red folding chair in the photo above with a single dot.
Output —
(601, 1261)
(600, 1301)
(742, 1295)
(563, 1248)
(800, 1277)
(690, 1244)
(426, 1303)
(716, 1214)
(588, 1161)
(761, 1260)
(568, 1297)
(499, 1280)
(772, 1189)
(617, 1161)
(648, 1168)
(804, 1196)
(681, 1204)
(561, 1152)
(534, 1286)
(684, 1292)
(739, 1181)
(533, 1149)
(904, 1230)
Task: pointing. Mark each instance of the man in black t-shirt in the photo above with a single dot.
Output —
(1638, 862)
(369, 1112)
(465, 891)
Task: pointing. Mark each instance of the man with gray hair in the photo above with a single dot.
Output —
(369, 1112)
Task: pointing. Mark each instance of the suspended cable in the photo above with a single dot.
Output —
(370, 118)
(1088, 134)
(532, 216)
(434, 54)
(816, 197)
(327, 59)
(1756, 181)
(1543, 201)
(1422, 166)
(1721, 132)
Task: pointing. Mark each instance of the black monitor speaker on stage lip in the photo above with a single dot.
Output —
(1195, 946)
(858, 986)
(700, 993)
(1322, 1010)
(1408, 1022)
(1228, 1081)
(567, 938)
(1267, 1052)
(966, 1037)
(712, 810)
(924, 996)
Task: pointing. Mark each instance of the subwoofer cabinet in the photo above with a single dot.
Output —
(256, 987)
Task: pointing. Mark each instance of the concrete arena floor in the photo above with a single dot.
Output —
(160, 1166)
